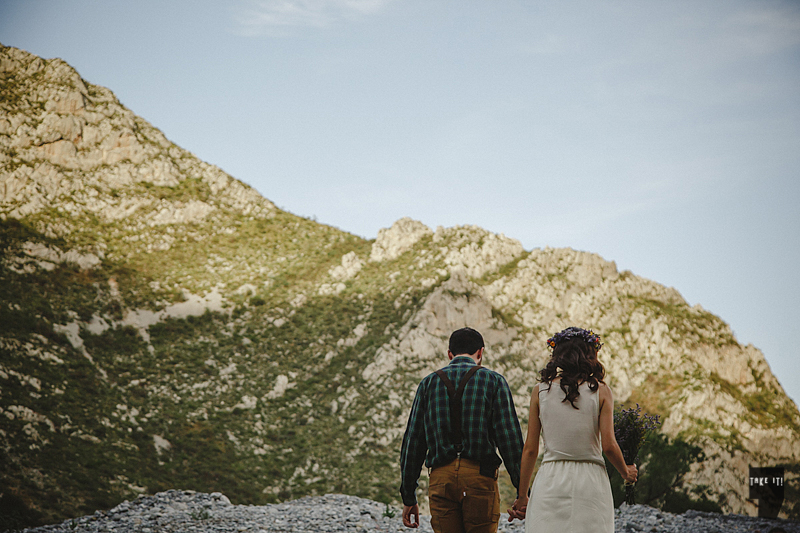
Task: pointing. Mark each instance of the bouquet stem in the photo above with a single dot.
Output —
(630, 490)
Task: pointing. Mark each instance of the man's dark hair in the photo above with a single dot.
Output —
(465, 341)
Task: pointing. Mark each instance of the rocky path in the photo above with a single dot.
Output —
(195, 512)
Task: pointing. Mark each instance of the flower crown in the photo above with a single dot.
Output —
(572, 333)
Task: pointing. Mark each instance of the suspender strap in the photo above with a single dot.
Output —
(456, 434)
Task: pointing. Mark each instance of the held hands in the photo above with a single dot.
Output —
(631, 474)
(518, 509)
(411, 512)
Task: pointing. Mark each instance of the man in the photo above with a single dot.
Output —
(460, 416)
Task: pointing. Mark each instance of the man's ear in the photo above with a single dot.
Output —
(480, 356)
(450, 355)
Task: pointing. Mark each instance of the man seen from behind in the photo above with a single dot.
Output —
(461, 416)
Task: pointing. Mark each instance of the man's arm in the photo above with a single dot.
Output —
(414, 449)
(506, 430)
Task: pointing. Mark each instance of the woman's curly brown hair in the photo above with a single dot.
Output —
(575, 361)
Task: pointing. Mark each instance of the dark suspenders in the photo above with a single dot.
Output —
(456, 434)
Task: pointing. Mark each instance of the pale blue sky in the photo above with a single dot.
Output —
(662, 135)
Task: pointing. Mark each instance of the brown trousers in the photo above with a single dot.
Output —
(462, 500)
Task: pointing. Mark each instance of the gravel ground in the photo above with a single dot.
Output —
(195, 512)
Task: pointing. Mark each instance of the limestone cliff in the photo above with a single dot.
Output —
(163, 326)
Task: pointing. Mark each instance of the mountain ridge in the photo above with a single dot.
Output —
(164, 323)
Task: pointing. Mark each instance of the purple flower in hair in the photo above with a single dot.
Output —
(573, 333)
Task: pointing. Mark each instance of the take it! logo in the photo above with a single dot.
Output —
(766, 486)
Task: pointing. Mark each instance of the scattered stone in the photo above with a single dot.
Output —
(178, 511)
(351, 265)
(645, 518)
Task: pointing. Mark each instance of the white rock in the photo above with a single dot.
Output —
(328, 288)
(161, 444)
(392, 242)
(97, 325)
(195, 305)
(280, 387)
(62, 153)
(351, 265)
(193, 211)
(247, 402)
(246, 289)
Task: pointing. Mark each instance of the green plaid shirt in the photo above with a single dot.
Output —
(489, 422)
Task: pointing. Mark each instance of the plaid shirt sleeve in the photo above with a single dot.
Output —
(507, 431)
(414, 448)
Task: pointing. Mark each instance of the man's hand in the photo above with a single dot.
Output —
(518, 510)
(411, 512)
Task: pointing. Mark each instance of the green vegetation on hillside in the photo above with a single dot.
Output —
(163, 326)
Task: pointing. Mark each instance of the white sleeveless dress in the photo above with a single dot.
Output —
(571, 491)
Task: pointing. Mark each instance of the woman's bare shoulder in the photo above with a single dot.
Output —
(605, 390)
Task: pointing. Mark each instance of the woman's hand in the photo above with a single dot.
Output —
(631, 474)
(518, 509)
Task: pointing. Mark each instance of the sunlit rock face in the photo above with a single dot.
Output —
(164, 326)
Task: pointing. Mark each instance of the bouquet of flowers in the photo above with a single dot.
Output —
(630, 429)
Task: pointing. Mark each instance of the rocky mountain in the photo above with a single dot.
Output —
(162, 325)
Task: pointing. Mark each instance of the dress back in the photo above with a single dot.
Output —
(570, 434)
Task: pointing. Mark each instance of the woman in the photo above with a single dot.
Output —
(574, 411)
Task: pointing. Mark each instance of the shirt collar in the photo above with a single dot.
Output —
(463, 360)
